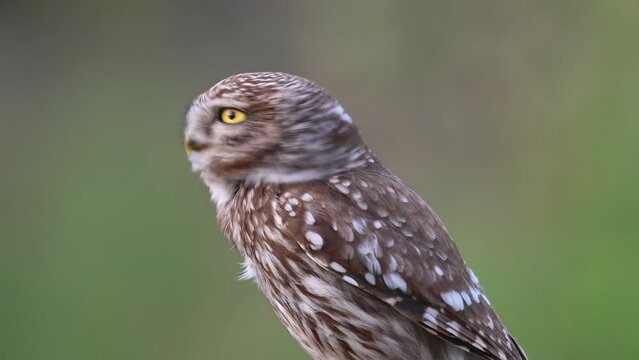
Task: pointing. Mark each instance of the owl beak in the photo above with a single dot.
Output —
(191, 145)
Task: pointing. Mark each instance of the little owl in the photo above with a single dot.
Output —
(355, 264)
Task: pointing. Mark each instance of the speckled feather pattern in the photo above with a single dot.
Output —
(355, 264)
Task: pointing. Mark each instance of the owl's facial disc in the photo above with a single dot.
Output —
(270, 127)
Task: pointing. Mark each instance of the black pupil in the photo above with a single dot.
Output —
(231, 114)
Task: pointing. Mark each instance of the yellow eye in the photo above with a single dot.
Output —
(232, 116)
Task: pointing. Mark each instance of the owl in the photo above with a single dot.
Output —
(355, 264)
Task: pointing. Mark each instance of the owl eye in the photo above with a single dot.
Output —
(232, 116)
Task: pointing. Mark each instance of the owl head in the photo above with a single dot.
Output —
(270, 128)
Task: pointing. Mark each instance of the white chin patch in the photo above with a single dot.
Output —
(221, 191)
(198, 161)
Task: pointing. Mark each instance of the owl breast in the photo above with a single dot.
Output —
(329, 318)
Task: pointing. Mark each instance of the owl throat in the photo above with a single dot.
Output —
(223, 189)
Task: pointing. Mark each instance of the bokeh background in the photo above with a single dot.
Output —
(518, 121)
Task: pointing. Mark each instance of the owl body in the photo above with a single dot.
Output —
(355, 264)
(330, 318)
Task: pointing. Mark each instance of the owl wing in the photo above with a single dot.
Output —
(380, 236)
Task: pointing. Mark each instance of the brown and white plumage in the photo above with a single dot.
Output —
(355, 264)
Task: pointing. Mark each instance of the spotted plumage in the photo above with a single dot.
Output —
(355, 264)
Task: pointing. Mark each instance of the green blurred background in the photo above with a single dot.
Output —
(518, 121)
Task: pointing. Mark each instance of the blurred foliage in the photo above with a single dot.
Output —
(518, 121)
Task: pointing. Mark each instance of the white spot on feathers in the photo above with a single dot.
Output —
(452, 331)
(337, 267)
(381, 212)
(359, 225)
(393, 300)
(485, 299)
(475, 294)
(472, 275)
(407, 232)
(370, 252)
(430, 315)
(466, 297)
(453, 299)
(489, 322)
(343, 189)
(309, 219)
(479, 343)
(350, 280)
(392, 263)
(370, 278)
(316, 239)
(395, 281)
